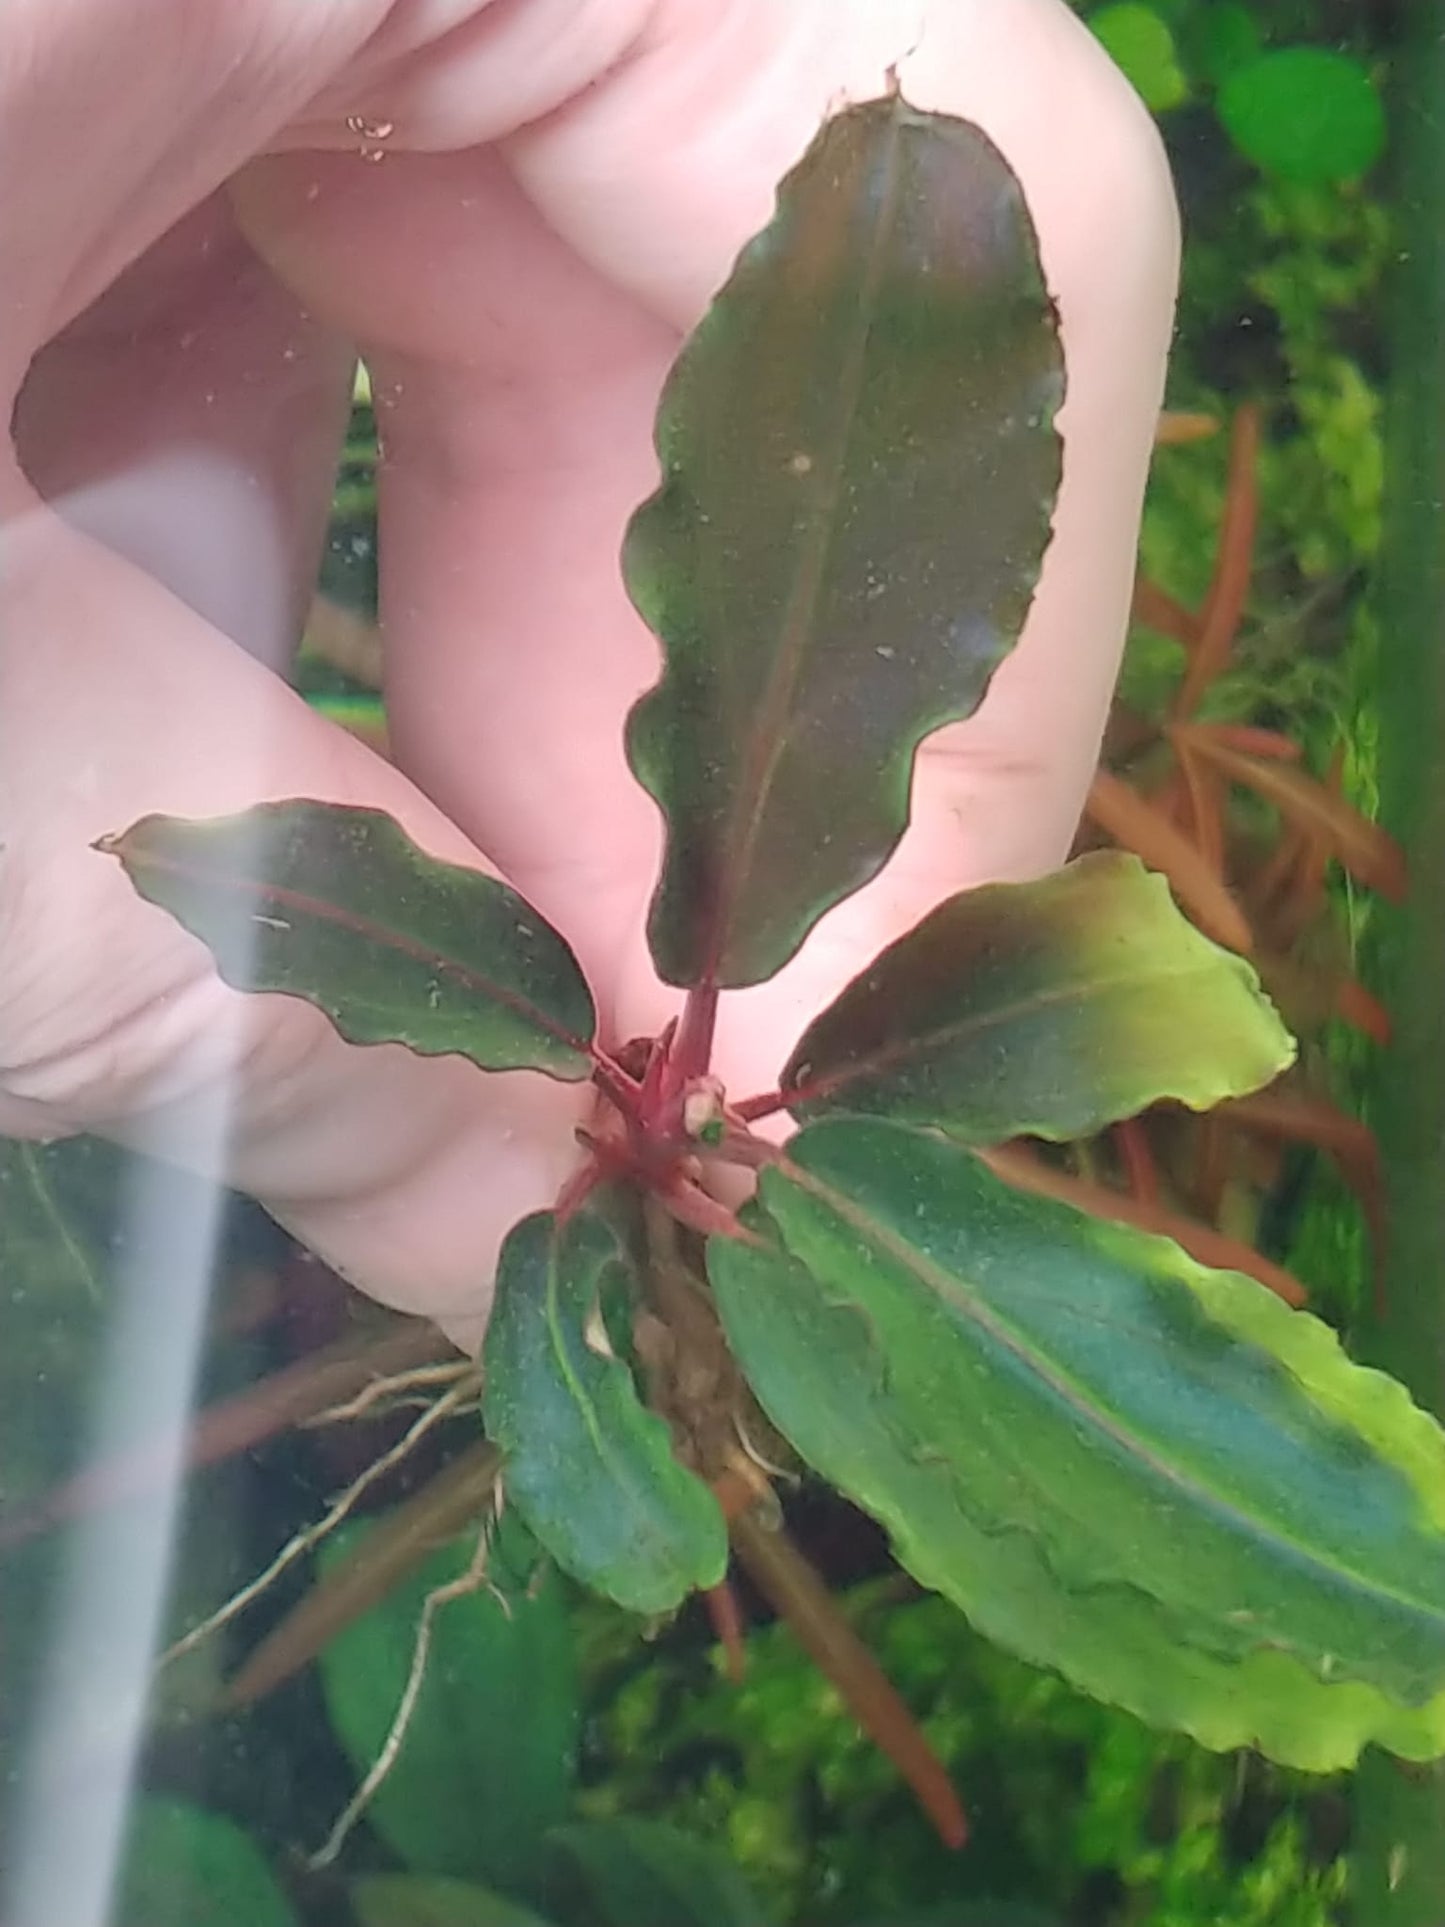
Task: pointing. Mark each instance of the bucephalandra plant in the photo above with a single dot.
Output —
(1156, 1478)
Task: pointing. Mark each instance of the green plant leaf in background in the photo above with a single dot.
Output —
(589, 1468)
(59, 1209)
(487, 1764)
(338, 906)
(1306, 113)
(1051, 1008)
(837, 568)
(636, 1873)
(185, 1867)
(1220, 36)
(421, 1900)
(1154, 1477)
(1142, 45)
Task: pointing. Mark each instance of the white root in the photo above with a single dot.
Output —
(472, 1581)
(397, 1388)
(295, 1548)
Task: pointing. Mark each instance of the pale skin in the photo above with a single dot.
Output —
(564, 184)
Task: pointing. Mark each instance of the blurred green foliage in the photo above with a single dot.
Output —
(1282, 301)
(1305, 114)
(60, 1215)
(186, 1867)
(1073, 1806)
(486, 1769)
(1300, 113)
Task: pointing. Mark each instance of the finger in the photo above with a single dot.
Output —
(97, 171)
(117, 700)
(196, 347)
(514, 390)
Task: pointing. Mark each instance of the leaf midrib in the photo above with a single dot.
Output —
(887, 1055)
(383, 936)
(614, 1463)
(53, 1211)
(955, 1292)
(799, 627)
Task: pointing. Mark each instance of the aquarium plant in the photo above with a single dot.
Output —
(1158, 1479)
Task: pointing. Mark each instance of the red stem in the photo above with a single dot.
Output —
(740, 1147)
(691, 1054)
(797, 1594)
(615, 1085)
(692, 1206)
(766, 1104)
(1137, 1160)
(727, 1623)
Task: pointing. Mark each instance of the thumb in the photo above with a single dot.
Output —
(117, 700)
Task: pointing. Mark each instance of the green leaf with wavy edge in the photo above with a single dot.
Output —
(423, 1900)
(1048, 1008)
(337, 905)
(487, 1766)
(859, 467)
(638, 1873)
(589, 1468)
(1153, 1477)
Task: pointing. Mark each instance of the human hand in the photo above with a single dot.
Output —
(563, 186)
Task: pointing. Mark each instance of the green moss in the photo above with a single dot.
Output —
(1069, 1801)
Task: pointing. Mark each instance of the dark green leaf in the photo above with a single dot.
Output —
(336, 905)
(60, 1208)
(58, 1212)
(589, 1468)
(859, 467)
(636, 1873)
(486, 1768)
(1048, 1008)
(185, 1867)
(48, 1246)
(1305, 112)
(409, 1900)
(1154, 1477)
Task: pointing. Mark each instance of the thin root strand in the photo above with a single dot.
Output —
(303, 1542)
(473, 1580)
